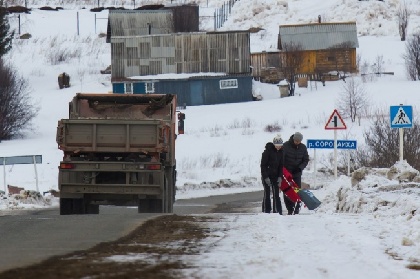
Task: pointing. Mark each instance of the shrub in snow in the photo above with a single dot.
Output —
(17, 111)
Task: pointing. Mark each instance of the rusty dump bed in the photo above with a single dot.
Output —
(113, 123)
(116, 106)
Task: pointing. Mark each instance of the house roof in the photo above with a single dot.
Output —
(317, 36)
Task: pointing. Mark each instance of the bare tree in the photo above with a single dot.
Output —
(402, 17)
(16, 110)
(378, 65)
(293, 60)
(352, 100)
(412, 57)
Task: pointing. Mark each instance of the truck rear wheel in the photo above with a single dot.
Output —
(71, 206)
(66, 206)
(77, 206)
(150, 206)
(92, 209)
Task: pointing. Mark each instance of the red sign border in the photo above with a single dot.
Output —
(329, 120)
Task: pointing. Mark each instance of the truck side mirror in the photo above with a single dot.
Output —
(181, 118)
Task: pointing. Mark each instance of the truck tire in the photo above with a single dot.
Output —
(66, 206)
(77, 206)
(150, 206)
(92, 209)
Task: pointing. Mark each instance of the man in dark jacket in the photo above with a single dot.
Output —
(271, 174)
(296, 158)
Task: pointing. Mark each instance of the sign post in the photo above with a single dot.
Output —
(401, 117)
(30, 159)
(335, 122)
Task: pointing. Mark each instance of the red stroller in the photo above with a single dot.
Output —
(295, 194)
(289, 187)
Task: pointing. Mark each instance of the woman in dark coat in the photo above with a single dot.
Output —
(271, 174)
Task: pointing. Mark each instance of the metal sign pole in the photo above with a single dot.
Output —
(4, 175)
(335, 153)
(36, 174)
(348, 163)
(314, 167)
(78, 33)
(401, 130)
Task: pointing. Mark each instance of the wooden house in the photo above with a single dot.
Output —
(325, 46)
(267, 66)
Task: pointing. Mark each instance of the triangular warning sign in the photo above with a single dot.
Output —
(401, 118)
(335, 122)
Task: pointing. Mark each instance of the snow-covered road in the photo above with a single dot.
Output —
(313, 246)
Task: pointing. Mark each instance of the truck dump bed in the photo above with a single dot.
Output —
(117, 106)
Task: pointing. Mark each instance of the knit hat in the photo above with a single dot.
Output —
(278, 141)
(298, 137)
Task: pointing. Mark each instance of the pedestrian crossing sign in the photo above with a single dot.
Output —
(401, 116)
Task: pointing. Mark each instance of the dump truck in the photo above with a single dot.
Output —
(118, 150)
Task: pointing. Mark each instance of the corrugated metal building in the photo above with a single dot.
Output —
(326, 46)
(194, 90)
(123, 23)
(166, 20)
(223, 52)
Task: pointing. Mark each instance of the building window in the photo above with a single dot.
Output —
(150, 87)
(129, 88)
(330, 58)
(228, 83)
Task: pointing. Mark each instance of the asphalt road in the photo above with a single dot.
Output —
(28, 237)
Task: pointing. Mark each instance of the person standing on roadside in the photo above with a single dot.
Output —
(296, 158)
(271, 174)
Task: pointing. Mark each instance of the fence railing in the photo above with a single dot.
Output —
(221, 14)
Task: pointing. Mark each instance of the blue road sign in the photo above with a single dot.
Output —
(324, 144)
(401, 116)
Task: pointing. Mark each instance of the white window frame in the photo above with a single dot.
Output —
(128, 88)
(228, 83)
(149, 87)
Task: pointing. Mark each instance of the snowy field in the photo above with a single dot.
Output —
(363, 229)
